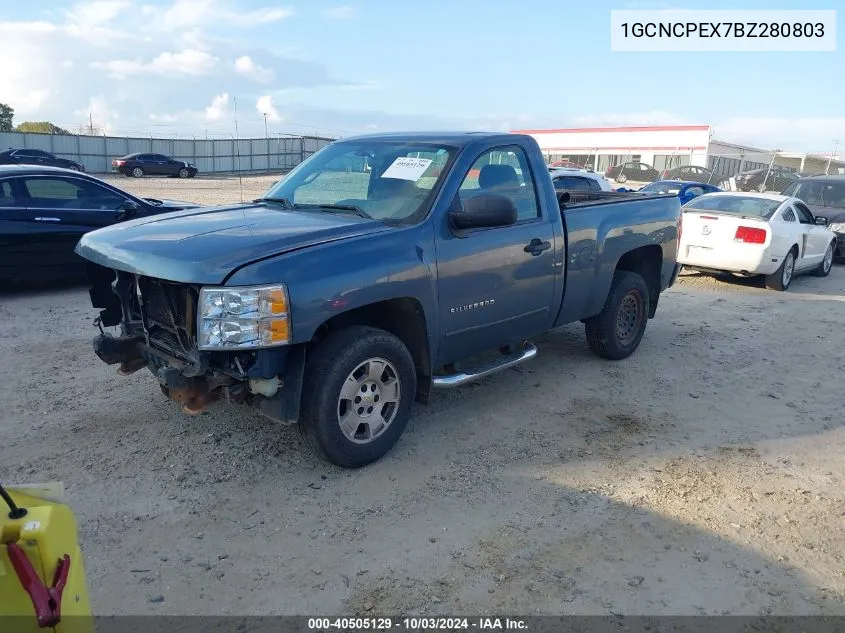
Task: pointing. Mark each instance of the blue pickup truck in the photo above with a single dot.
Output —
(382, 267)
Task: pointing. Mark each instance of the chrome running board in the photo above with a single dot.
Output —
(460, 378)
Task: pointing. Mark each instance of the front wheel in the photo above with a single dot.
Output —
(782, 277)
(616, 332)
(823, 269)
(183, 173)
(359, 387)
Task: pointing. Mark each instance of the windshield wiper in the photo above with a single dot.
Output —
(339, 207)
(283, 201)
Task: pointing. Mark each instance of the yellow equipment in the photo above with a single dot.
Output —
(42, 576)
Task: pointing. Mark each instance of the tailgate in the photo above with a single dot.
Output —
(707, 230)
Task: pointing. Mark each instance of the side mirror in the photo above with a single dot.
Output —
(485, 211)
(822, 221)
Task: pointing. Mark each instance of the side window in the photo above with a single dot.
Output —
(804, 215)
(503, 171)
(57, 193)
(788, 215)
(7, 198)
(594, 185)
(695, 191)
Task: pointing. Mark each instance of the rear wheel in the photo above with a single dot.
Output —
(823, 269)
(137, 172)
(616, 332)
(621, 178)
(782, 277)
(360, 385)
(761, 187)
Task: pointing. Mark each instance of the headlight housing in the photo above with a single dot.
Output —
(243, 317)
(837, 227)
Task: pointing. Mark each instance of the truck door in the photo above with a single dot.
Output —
(496, 285)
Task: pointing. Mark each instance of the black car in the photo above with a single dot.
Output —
(140, 164)
(694, 173)
(45, 210)
(37, 157)
(638, 172)
(825, 195)
(765, 179)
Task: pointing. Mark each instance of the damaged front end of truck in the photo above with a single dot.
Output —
(203, 344)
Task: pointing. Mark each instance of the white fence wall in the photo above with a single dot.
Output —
(209, 155)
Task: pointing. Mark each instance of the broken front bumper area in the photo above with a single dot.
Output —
(271, 382)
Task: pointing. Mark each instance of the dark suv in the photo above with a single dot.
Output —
(825, 195)
(37, 157)
(141, 164)
(765, 179)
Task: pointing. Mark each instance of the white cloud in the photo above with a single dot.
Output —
(187, 62)
(219, 107)
(264, 105)
(96, 12)
(339, 13)
(185, 14)
(99, 113)
(811, 134)
(245, 66)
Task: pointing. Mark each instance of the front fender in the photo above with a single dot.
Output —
(327, 280)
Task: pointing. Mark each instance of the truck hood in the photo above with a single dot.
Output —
(206, 244)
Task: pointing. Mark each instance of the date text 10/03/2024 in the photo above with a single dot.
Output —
(415, 624)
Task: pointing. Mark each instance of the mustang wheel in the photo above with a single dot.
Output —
(827, 263)
(782, 277)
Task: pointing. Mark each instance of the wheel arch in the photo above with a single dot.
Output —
(405, 318)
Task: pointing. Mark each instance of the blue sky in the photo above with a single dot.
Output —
(174, 67)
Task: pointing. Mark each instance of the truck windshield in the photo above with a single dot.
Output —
(390, 181)
(818, 193)
(749, 206)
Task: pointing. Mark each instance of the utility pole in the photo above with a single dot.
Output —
(830, 158)
(267, 136)
(90, 124)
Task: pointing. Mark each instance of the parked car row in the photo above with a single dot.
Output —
(138, 164)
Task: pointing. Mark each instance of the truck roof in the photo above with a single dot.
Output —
(459, 139)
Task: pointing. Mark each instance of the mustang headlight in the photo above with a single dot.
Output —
(837, 227)
(245, 317)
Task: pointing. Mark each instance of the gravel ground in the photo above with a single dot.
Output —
(704, 475)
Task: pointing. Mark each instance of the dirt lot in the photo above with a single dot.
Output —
(704, 475)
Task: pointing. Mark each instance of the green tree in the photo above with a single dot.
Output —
(7, 113)
(42, 127)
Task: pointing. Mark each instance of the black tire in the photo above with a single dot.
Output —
(183, 173)
(761, 187)
(612, 334)
(621, 178)
(823, 269)
(137, 172)
(327, 369)
(777, 280)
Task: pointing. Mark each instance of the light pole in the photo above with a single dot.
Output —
(830, 158)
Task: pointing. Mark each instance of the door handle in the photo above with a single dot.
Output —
(537, 246)
(43, 219)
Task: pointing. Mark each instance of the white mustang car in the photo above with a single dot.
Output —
(752, 234)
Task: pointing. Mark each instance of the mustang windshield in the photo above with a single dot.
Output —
(390, 181)
(749, 206)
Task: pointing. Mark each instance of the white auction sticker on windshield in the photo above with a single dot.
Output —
(405, 168)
